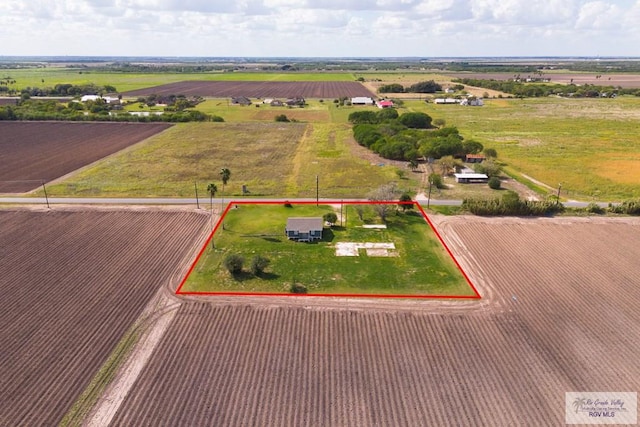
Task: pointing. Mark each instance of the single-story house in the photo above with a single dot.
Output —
(385, 104)
(276, 103)
(471, 178)
(240, 100)
(472, 102)
(446, 101)
(474, 158)
(304, 229)
(295, 101)
(361, 100)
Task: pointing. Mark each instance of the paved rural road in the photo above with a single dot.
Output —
(205, 201)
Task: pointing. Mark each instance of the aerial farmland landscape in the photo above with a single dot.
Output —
(319, 213)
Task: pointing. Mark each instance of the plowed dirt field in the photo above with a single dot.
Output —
(559, 313)
(33, 152)
(326, 90)
(71, 283)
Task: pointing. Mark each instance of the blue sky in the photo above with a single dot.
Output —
(324, 28)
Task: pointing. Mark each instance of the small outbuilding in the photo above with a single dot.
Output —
(471, 178)
(474, 158)
(304, 229)
(385, 104)
(240, 100)
(361, 100)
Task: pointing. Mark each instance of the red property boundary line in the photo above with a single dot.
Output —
(179, 291)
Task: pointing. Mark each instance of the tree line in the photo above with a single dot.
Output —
(409, 136)
(533, 90)
(429, 86)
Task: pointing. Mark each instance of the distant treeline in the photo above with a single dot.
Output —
(98, 110)
(63, 89)
(532, 90)
(429, 86)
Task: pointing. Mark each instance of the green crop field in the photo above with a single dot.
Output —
(271, 159)
(419, 265)
(123, 82)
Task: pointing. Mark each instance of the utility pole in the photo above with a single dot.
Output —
(429, 196)
(317, 190)
(558, 196)
(46, 197)
(195, 184)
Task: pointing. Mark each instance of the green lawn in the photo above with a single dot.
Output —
(421, 267)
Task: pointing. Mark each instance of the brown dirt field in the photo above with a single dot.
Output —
(37, 151)
(209, 89)
(72, 283)
(559, 314)
(623, 80)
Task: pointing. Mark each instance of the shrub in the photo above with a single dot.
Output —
(258, 264)
(436, 180)
(330, 217)
(288, 205)
(297, 288)
(233, 263)
(282, 118)
(595, 208)
(494, 183)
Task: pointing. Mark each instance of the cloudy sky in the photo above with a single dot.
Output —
(320, 28)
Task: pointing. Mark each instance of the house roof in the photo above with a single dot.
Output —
(305, 224)
(470, 175)
(476, 156)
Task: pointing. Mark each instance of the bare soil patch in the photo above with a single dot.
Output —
(218, 89)
(72, 283)
(33, 152)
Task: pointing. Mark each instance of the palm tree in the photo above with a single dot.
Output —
(225, 174)
(212, 189)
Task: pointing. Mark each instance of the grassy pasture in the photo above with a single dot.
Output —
(421, 267)
(272, 159)
(591, 146)
(123, 82)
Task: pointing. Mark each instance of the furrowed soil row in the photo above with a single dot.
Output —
(82, 279)
(539, 335)
(34, 152)
(221, 89)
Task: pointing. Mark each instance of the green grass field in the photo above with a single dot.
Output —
(590, 146)
(124, 82)
(271, 159)
(421, 267)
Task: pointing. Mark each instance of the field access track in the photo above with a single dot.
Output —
(209, 89)
(33, 152)
(559, 313)
(71, 284)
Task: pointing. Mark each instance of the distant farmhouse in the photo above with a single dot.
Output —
(296, 101)
(305, 229)
(472, 102)
(471, 178)
(361, 100)
(109, 99)
(240, 100)
(446, 101)
(474, 158)
(385, 104)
